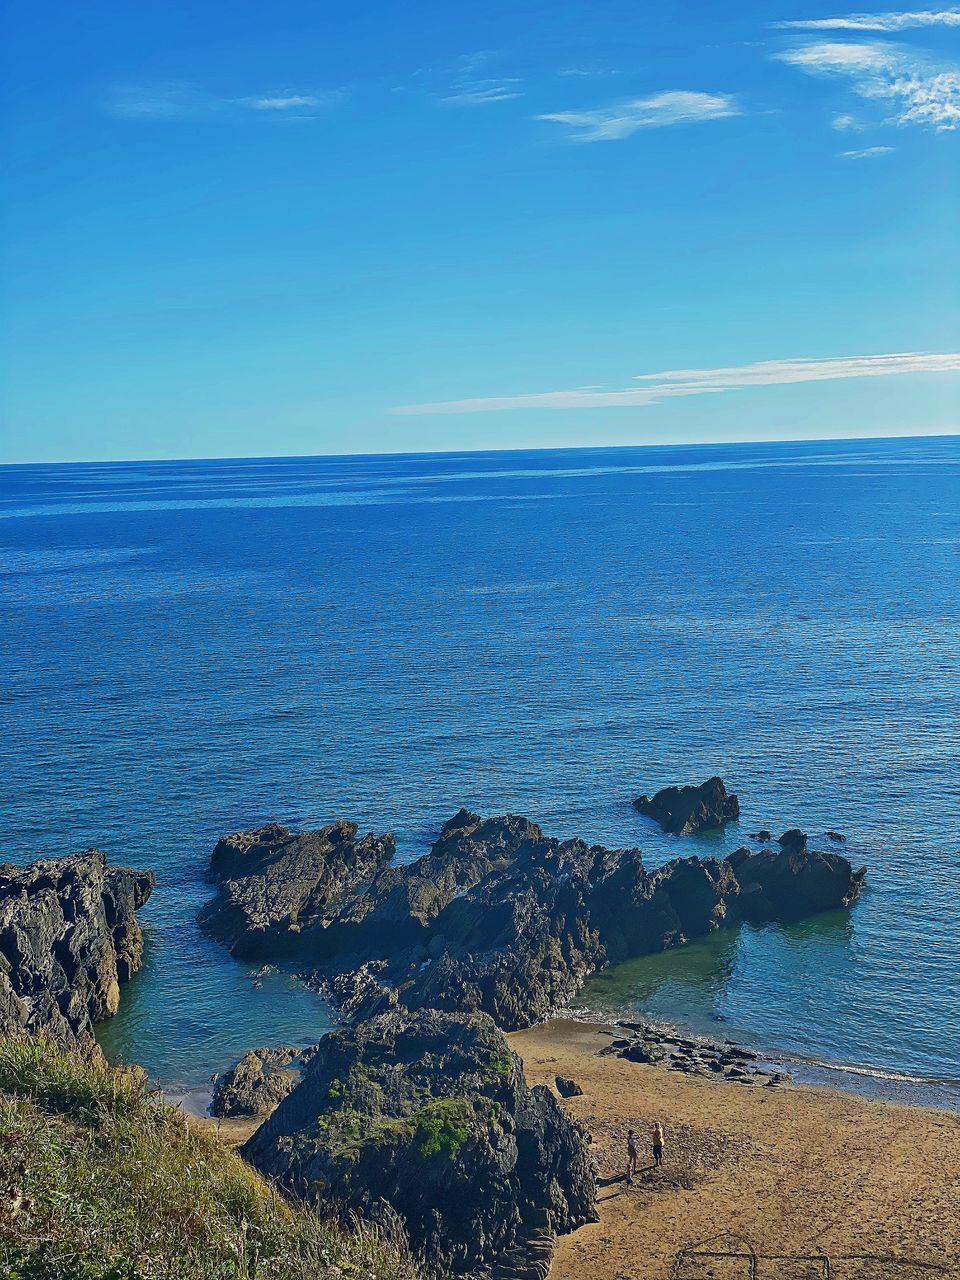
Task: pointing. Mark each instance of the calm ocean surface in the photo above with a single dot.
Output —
(190, 648)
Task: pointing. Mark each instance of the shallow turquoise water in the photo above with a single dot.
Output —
(194, 647)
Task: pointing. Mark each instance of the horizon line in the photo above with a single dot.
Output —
(954, 433)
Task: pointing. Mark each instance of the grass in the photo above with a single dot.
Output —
(442, 1127)
(126, 1188)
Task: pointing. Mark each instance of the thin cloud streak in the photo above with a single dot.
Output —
(481, 92)
(694, 382)
(876, 21)
(621, 119)
(866, 153)
(289, 103)
(176, 100)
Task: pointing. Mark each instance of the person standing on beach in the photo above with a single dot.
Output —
(657, 1143)
(631, 1156)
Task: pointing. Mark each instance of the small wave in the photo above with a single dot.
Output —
(872, 1073)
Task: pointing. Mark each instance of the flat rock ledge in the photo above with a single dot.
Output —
(685, 811)
(425, 1119)
(69, 937)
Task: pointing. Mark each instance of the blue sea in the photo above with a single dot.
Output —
(194, 647)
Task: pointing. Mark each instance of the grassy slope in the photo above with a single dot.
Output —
(124, 1188)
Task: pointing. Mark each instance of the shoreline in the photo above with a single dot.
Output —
(877, 1083)
(796, 1172)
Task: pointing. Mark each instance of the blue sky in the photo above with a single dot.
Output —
(240, 229)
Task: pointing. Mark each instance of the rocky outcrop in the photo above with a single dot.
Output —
(429, 1115)
(499, 917)
(684, 811)
(793, 881)
(69, 937)
(258, 1082)
(275, 885)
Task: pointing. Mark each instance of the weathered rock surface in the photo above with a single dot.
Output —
(686, 810)
(68, 937)
(274, 884)
(430, 1114)
(501, 918)
(258, 1082)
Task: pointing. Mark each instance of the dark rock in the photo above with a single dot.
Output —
(275, 886)
(568, 1088)
(794, 882)
(257, 1083)
(793, 841)
(764, 836)
(686, 810)
(430, 1114)
(69, 937)
(837, 836)
(501, 918)
(644, 1053)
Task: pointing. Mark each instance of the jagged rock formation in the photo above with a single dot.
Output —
(501, 918)
(684, 811)
(274, 884)
(258, 1082)
(68, 937)
(430, 1114)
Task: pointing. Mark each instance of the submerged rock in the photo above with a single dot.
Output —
(69, 937)
(274, 884)
(429, 1113)
(686, 810)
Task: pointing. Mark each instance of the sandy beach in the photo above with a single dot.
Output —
(795, 1176)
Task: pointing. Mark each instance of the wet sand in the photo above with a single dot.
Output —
(795, 1174)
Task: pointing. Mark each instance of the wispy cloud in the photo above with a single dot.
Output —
(911, 88)
(588, 73)
(877, 21)
(177, 100)
(695, 382)
(846, 123)
(288, 102)
(478, 93)
(471, 80)
(866, 153)
(621, 119)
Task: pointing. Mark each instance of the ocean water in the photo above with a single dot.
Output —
(193, 647)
